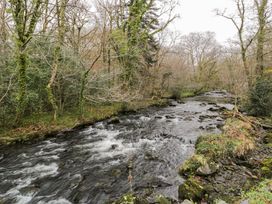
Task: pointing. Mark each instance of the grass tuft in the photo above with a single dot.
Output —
(261, 194)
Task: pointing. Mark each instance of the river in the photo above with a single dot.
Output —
(92, 165)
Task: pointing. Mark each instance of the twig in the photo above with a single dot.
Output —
(6, 93)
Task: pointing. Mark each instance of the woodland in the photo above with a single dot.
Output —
(62, 56)
(69, 62)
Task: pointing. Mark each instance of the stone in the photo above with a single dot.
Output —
(187, 202)
(150, 156)
(220, 202)
(170, 117)
(207, 169)
(245, 202)
(190, 166)
(114, 146)
(114, 120)
(180, 102)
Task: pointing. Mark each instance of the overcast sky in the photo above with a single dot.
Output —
(199, 15)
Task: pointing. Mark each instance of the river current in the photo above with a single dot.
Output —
(92, 165)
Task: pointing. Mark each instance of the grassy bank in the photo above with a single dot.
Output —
(181, 93)
(233, 166)
(39, 126)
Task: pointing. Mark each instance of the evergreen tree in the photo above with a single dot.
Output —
(135, 44)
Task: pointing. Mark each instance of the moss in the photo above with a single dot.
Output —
(191, 165)
(162, 200)
(130, 199)
(236, 141)
(266, 168)
(238, 128)
(216, 146)
(187, 94)
(261, 194)
(126, 199)
(268, 138)
(179, 93)
(191, 189)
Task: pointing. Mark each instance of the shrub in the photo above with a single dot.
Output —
(260, 98)
(179, 93)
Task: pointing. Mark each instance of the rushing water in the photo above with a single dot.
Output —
(91, 165)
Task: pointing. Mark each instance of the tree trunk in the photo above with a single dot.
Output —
(25, 20)
(61, 9)
(246, 68)
(83, 84)
(262, 20)
(21, 70)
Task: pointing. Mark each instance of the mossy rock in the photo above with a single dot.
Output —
(163, 200)
(266, 168)
(190, 166)
(268, 138)
(130, 199)
(198, 165)
(192, 189)
(207, 169)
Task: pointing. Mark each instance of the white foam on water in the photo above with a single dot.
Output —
(24, 199)
(27, 175)
(50, 144)
(100, 125)
(176, 120)
(87, 130)
(109, 145)
(84, 146)
(23, 156)
(40, 170)
(59, 201)
(44, 153)
(145, 119)
(27, 164)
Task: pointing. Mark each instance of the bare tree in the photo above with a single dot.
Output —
(202, 51)
(239, 21)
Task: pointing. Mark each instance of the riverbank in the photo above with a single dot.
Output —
(232, 167)
(40, 126)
